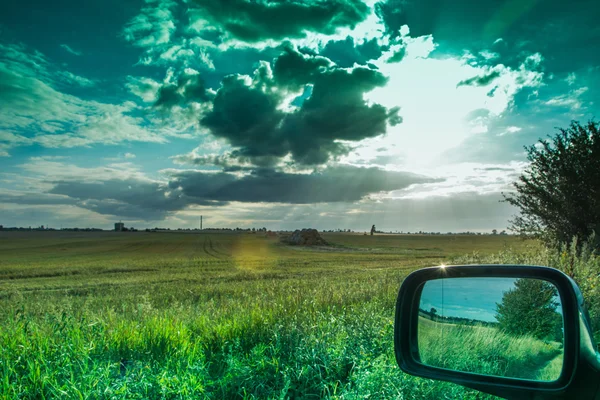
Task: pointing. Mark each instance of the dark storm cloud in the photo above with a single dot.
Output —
(149, 201)
(258, 20)
(483, 80)
(249, 115)
(230, 162)
(565, 33)
(130, 198)
(334, 184)
(187, 88)
(295, 69)
(143, 194)
(346, 53)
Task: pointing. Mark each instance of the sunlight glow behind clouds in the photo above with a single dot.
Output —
(436, 113)
(458, 107)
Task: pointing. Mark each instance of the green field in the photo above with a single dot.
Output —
(211, 315)
(489, 351)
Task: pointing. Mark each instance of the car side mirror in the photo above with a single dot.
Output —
(511, 331)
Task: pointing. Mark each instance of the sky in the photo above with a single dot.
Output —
(472, 298)
(410, 115)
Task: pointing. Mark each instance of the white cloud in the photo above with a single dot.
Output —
(21, 61)
(44, 170)
(153, 26)
(489, 55)
(189, 53)
(510, 130)
(34, 111)
(69, 49)
(144, 88)
(129, 155)
(482, 179)
(571, 99)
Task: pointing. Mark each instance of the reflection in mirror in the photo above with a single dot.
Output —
(492, 326)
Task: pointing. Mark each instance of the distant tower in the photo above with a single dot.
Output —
(201, 222)
(119, 226)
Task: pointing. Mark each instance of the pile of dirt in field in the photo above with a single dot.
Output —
(306, 237)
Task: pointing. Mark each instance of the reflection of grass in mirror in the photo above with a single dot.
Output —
(488, 351)
(552, 370)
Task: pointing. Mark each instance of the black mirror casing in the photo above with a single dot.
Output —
(579, 377)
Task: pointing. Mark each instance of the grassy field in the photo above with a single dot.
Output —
(211, 315)
(489, 351)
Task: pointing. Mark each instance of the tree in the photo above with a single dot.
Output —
(558, 195)
(494, 231)
(432, 312)
(373, 230)
(530, 309)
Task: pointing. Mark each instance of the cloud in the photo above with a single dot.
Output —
(255, 21)
(153, 26)
(571, 99)
(531, 116)
(68, 49)
(34, 111)
(129, 155)
(144, 88)
(458, 212)
(127, 198)
(437, 114)
(34, 198)
(483, 80)
(229, 162)
(398, 55)
(181, 52)
(255, 115)
(333, 184)
(349, 51)
(20, 60)
(55, 216)
(118, 189)
(121, 189)
(186, 89)
(567, 33)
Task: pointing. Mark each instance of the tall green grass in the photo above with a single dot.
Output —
(206, 316)
(487, 350)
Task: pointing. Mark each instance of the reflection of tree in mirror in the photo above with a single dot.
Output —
(530, 309)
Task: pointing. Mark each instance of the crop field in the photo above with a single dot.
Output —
(211, 315)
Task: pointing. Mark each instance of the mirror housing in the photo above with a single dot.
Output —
(579, 376)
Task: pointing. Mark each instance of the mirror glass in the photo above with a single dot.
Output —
(492, 326)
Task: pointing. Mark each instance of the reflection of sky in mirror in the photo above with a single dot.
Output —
(473, 298)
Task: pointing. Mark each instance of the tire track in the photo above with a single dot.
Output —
(209, 246)
(217, 250)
